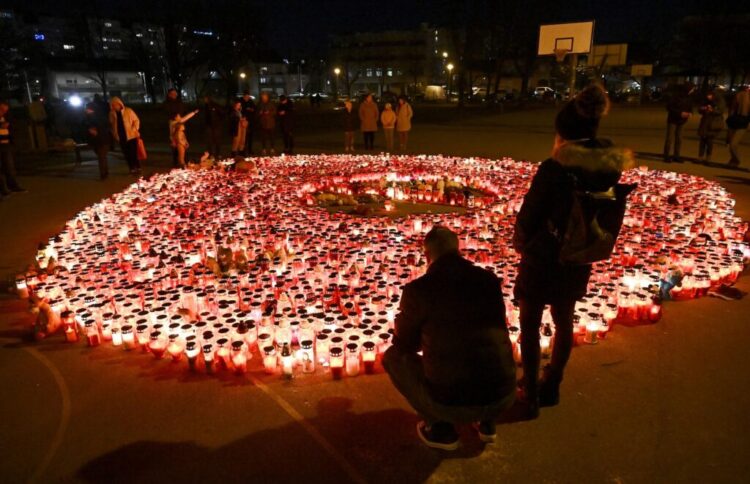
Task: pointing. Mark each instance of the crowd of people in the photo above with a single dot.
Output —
(245, 121)
(715, 117)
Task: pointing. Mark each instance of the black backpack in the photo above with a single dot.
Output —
(593, 225)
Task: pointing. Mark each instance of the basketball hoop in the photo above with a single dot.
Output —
(560, 54)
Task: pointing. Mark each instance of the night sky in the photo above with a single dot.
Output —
(302, 27)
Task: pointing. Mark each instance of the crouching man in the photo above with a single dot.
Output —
(455, 315)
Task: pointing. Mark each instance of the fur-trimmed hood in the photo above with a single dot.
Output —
(601, 155)
(597, 163)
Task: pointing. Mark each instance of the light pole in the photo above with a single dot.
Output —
(336, 71)
(242, 77)
(449, 68)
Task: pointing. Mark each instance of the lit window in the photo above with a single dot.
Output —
(108, 24)
(379, 72)
(369, 72)
(263, 80)
(390, 72)
(68, 47)
(139, 35)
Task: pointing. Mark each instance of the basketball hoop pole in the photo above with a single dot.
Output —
(572, 77)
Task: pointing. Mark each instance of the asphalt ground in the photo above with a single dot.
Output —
(657, 403)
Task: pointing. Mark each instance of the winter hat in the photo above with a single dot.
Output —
(579, 118)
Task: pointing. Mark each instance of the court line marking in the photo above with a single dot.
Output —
(353, 474)
(64, 413)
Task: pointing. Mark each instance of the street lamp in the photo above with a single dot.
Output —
(242, 75)
(449, 67)
(336, 71)
(445, 54)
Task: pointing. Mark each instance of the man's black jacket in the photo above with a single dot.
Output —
(456, 316)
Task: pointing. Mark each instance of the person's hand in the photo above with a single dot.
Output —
(196, 111)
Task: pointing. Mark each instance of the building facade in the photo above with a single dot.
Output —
(400, 61)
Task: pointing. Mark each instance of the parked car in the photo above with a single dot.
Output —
(544, 92)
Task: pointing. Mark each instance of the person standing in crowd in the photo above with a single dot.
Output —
(267, 123)
(248, 112)
(38, 119)
(8, 182)
(403, 122)
(712, 110)
(388, 120)
(285, 113)
(737, 122)
(454, 315)
(349, 119)
(99, 138)
(579, 162)
(368, 121)
(124, 126)
(173, 106)
(679, 110)
(177, 137)
(214, 117)
(237, 128)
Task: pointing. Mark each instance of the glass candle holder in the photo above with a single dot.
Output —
(191, 352)
(157, 344)
(92, 333)
(175, 347)
(269, 359)
(592, 333)
(336, 362)
(287, 361)
(239, 356)
(306, 356)
(369, 354)
(128, 338)
(352, 359)
(208, 356)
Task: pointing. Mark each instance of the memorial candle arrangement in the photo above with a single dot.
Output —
(222, 271)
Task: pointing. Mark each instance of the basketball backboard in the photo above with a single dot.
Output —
(608, 55)
(575, 38)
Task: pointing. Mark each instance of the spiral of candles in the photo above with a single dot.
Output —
(214, 266)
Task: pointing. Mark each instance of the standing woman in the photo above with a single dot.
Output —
(582, 162)
(125, 125)
(368, 121)
(237, 128)
(403, 122)
(349, 119)
(388, 119)
(712, 110)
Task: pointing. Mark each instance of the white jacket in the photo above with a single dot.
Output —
(129, 119)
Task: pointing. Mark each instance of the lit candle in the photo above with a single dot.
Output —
(269, 359)
(337, 362)
(239, 359)
(174, 348)
(191, 351)
(128, 338)
(592, 330)
(369, 352)
(352, 359)
(307, 357)
(157, 345)
(208, 357)
(92, 333)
